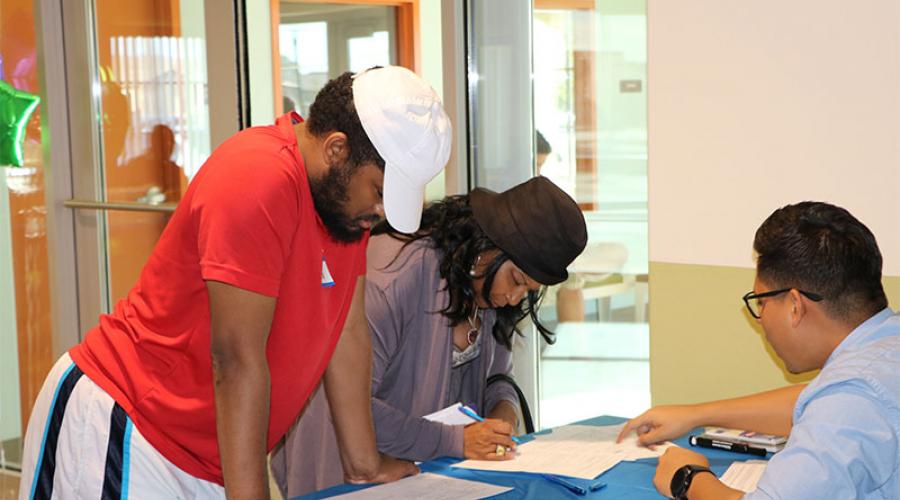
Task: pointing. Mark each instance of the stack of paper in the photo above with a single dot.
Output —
(744, 475)
(428, 486)
(583, 451)
(450, 416)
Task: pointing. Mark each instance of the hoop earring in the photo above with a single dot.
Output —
(472, 271)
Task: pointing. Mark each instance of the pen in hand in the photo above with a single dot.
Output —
(471, 414)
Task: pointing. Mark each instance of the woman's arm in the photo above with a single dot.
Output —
(398, 433)
(500, 398)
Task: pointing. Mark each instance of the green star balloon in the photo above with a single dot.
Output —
(15, 108)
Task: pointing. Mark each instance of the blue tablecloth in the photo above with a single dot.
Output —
(627, 480)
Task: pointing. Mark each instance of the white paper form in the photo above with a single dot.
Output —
(583, 451)
(744, 475)
(427, 486)
(628, 449)
(450, 416)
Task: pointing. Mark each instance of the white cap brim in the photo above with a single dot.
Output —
(406, 123)
(403, 201)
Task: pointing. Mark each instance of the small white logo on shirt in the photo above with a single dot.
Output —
(327, 280)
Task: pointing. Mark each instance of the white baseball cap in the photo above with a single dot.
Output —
(404, 119)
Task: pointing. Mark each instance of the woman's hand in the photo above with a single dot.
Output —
(661, 423)
(481, 440)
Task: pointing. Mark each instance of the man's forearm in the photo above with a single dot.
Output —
(242, 412)
(767, 412)
(348, 385)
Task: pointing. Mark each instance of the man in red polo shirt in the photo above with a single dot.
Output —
(253, 293)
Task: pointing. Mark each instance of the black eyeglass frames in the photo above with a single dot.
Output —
(751, 299)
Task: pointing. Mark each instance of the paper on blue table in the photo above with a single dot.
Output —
(582, 451)
(744, 475)
(428, 486)
(450, 416)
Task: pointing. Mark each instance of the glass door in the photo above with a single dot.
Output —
(146, 73)
(591, 128)
(556, 88)
(26, 352)
(106, 117)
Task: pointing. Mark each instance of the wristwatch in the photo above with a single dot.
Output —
(682, 478)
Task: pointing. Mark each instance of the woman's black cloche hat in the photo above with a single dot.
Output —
(536, 223)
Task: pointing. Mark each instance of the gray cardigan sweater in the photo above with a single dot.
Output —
(412, 350)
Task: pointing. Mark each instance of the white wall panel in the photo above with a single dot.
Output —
(753, 105)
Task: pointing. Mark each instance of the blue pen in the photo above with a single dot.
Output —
(471, 414)
(574, 488)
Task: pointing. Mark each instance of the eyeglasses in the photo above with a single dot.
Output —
(751, 299)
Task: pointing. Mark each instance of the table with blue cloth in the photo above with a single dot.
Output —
(631, 480)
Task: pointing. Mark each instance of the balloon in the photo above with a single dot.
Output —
(15, 108)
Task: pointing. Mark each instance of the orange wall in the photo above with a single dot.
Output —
(132, 235)
(27, 210)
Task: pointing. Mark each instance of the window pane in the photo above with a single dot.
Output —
(572, 108)
(500, 100)
(155, 120)
(319, 41)
(304, 63)
(590, 111)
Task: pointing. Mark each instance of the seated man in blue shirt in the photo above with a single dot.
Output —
(819, 298)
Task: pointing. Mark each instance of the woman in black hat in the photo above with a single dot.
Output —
(442, 306)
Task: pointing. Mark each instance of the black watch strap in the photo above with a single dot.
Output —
(681, 480)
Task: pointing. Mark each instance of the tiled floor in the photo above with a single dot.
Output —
(9, 485)
(595, 369)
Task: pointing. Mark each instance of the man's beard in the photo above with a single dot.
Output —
(330, 198)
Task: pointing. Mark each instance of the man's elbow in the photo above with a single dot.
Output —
(364, 471)
(229, 363)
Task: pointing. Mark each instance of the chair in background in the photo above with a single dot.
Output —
(596, 275)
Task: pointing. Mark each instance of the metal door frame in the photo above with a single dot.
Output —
(73, 152)
(459, 39)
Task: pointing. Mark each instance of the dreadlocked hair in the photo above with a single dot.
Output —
(452, 229)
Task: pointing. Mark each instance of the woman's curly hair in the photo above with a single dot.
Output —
(451, 228)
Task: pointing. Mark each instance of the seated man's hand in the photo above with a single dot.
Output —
(673, 459)
(488, 440)
(392, 469)
(661, 423)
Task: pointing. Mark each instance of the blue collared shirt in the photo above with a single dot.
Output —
(845, 440)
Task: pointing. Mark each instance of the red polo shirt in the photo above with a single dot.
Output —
(248, 220)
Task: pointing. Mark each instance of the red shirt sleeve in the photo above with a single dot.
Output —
(246, 210)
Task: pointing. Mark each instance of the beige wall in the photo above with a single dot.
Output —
(703, 344)
(753, 105)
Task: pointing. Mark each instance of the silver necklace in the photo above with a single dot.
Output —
(473, 330)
